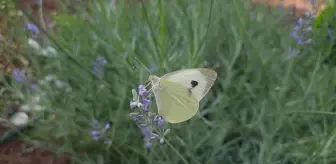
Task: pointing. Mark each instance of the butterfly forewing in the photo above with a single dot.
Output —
(174, 102)
(198, 80)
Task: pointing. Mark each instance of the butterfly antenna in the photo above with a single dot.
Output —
(147, 81)
(142, 64)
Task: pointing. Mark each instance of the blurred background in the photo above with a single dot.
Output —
(68, 68)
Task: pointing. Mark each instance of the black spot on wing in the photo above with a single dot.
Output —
(193, 83)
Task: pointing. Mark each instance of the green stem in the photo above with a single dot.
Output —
(177, 152)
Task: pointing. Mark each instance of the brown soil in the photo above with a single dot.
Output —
(12, 153)
(300, 6)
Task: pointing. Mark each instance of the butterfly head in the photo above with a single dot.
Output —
(154, 79)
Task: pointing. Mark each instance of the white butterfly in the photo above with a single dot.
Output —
(178, 93)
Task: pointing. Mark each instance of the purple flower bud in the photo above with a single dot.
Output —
(159, 121)
(299, 40)
(96, 138)
(148, 144)
(33, 28)
(146, 103)
(97, 131)
(300, 22)
(302, 31)
(142, 90)
(95, 135)
(19, 76)
(35, 87)
(294, 34)
(296, 28)
(146, 132)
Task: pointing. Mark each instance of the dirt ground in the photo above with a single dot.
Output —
(11, 153)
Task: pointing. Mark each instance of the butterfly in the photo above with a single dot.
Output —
(177, 94)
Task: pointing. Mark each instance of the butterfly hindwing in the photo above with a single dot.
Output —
(175, 104)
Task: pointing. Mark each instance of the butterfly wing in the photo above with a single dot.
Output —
(174, 102)
(198, 80)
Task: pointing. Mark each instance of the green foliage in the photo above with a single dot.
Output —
(267, 106)
(325, 24)
(6, 5)
(328, 16)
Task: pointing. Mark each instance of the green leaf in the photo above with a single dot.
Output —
(327, 16)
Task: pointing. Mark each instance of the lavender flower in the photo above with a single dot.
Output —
(97, 131)
(148, 144)
(146, 132)
(142, 90)
(33, 28)
(147, 121)
(159, 121)
(95, 135)
(32, 87)
(35, 87)
(20, 76)
(98, 67)
(303, 28)
(146, 103)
